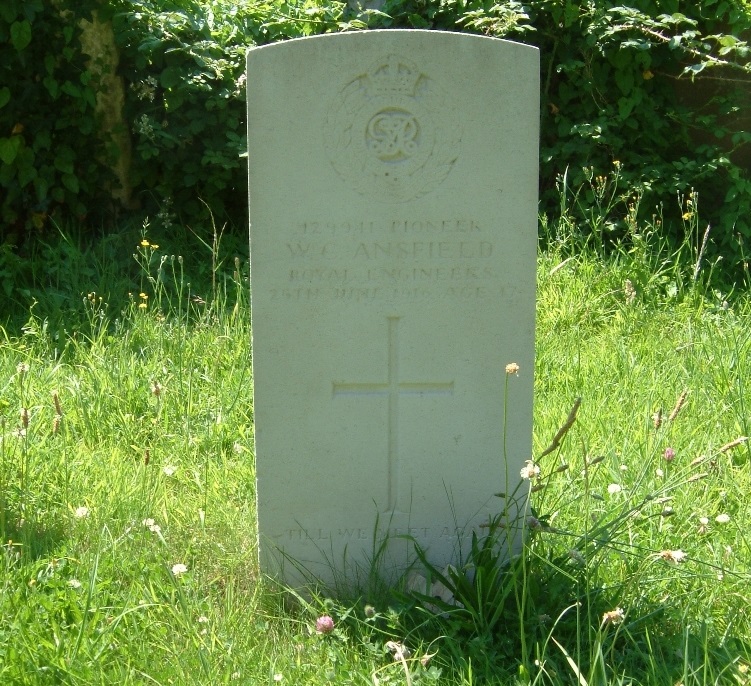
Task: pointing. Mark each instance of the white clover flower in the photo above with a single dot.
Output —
(169, 470)
(74, 583)
(82, 512)
(530, 470)
(613, 617)
(179, 569)
(722, 518)
(673, 556)
(614, 488)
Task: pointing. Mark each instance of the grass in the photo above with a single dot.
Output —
(127, 491)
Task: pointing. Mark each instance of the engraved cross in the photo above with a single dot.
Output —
(392, 389)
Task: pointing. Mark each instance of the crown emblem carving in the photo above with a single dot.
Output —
(394, 77)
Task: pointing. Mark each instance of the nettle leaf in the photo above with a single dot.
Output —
(20, 34)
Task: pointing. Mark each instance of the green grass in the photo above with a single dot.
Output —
(147, 463)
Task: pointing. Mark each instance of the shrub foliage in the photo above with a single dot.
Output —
(639, 86)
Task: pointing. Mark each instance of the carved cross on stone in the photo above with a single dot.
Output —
(392, 389)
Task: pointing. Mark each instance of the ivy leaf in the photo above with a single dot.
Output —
(20, 34)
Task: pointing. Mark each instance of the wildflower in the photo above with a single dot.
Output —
(512, 368)
(659, 473)
(647, 75)
(534, 524)
(722, 518)
(278, 677)
(668, 455)
(398, 650)
(82, 512)
(144, 243)
(614, 488)
(203, 619)
(169, 470)
(22, 368)
(179, 569)
(324, 625)
(156, 388)
(148, 522)
(530, 470)
(74, 583)
(370, 611)
(425, 659)
(703, 525)
(613, 617)
(673, 556)
(629, 291)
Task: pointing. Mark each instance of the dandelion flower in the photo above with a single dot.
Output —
(722, 518)
(82, 512)
(324, 625)
(179, 569)
(512, 368)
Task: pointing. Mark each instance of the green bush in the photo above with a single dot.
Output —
(50, 157)
(639, 89)
(615, 80)
(185, 65)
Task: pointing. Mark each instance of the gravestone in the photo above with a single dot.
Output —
(393, 212)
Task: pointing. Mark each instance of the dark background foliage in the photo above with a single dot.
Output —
(637, 88)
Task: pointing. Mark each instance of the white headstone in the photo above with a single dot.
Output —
(393, 211)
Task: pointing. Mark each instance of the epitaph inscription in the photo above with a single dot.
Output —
(388, 134)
